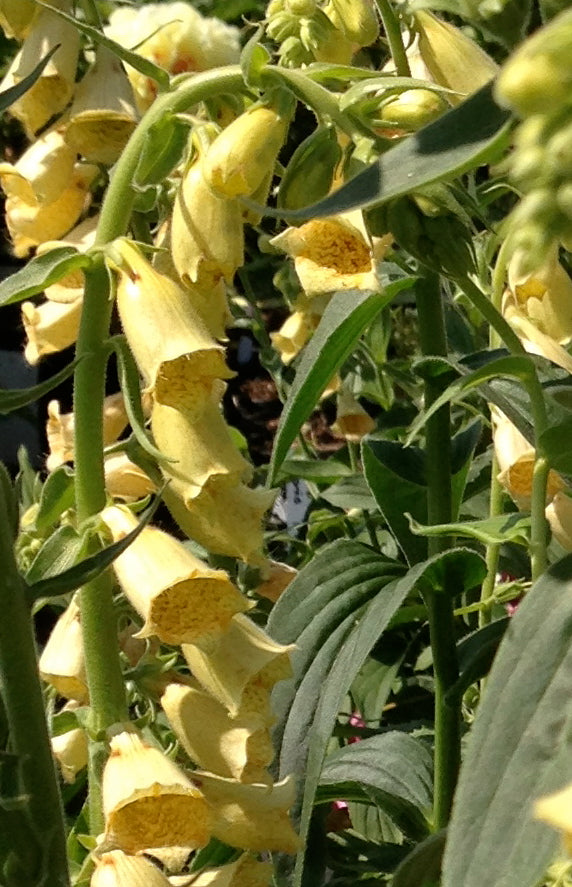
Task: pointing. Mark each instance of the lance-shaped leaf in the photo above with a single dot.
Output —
(491, 531)
(40, 272)
(462, 139)
(422, 867)
(475, 653)
(520, 746)
(15, 399)
(343, 321)
(11, 95)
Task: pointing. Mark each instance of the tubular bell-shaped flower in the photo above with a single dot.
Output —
(42, 172)
(251, 816)
(117, 869)
(173, 349)
(60, 429)
(103, 114)
(180, 598)
(16, 17)
(293, 334)
(62, 662)
(352, 421)
(559, 517)
(226, 518)
(199, 439)
(207, 237)
(50, 327)
(124, 479)
(70, 749)
(148, 801)
(244, 872)
(237, 747)
(257, 661)
(54, 88)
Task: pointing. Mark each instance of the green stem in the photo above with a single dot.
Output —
(103, 666)
(493, 548)
(29, 739)
(394, 38)
(440, 511)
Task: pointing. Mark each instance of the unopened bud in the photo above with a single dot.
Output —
(356, 19)
(412, 109)
(311, 169)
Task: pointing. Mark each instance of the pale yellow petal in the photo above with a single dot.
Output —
(62, 663)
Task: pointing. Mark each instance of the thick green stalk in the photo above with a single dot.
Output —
(493, 548)
(440, 604)
(24, 706)
(103, 667)
(394, 38)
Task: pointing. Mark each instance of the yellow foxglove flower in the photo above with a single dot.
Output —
(538, 305)
(356, 19)
(54, 88)
(224, 518)
(256, 659)
(332, 254)
(103, 114)
(276, 577)
(50, 327)
(251, 816)
(117, 869)
(62, 662)
(32, 224)
(180, 598)
(60, 429)
(238, 160)
(148, 801)
(239, 748)
(71, 287)
(293, 334)
(207, 237)
(453, 59)
(556, 810)
(173, 349)
(352, 421)
(245, 872)
(70, 749)
(42, 172)
(515, 458)
(16, 17)
(198, 437)
(559, 516)
(174, 36)
(126, 480)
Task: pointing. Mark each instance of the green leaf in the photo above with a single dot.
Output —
(11, 95)
(490, 531)
(460, 140)
(253, 59)
(91, 567)
(63, 722)
(422, 867)
(15, 399)
(520, 747)
(348, 493)
(56, 497)
(345, 318)
(143, 65)
(8, 496)
(40, 272)
(164, 145)
(61, 551)
(318, 471)
(396, 772)
(476, 652)
(555, 445)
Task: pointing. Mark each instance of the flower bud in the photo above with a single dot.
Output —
(239, 748)
(16, 17)
(180, 598)
(545, 296)
(413, 108)
(54, 88)
(207, 238)
(537, 77)
(148, 801)
(126, 480)
(117, 869)
(309, 174)
(356, 19)
(199, 439)
(239, 159)
(62, 662)
(102, 115)
(256, 659)
(253, 817)
(452, 59)
(174, 351)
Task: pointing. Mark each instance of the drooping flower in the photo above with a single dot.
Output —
(43, 171)
(117, 869)
(237, 747)
(70, 749)
(103, 115)
(174, 36)
(180, 598)
(124, 479)
(293, 334)
(559, 517)
(276, 577)
(54, 88)
(17, 16)
(173, 349)
(332, 254)
(62, 663)
(60, 429)
(50, 327)
(257, 662)
(199, 440)
(251, 816)
(148, 801)
(352, 421)
(556, 810)
(71, 287)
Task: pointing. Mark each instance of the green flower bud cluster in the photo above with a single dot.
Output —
(537, 83)
(300, 28)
